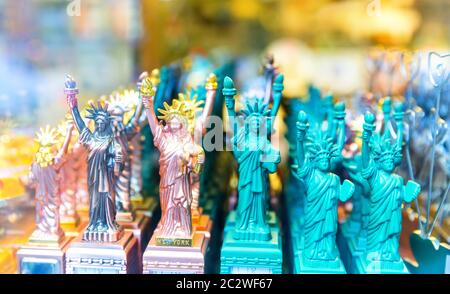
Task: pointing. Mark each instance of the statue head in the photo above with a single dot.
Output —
(386, 154)
(174, 117)
(47, 139)
(255, 114)
(321, 150)
(100, 115)
(191, 106)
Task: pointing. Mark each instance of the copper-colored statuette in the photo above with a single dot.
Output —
(47, 244)
(179, 157)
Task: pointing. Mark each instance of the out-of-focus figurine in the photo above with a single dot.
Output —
(142, 203)
(253, 244)
(103, 239)
(380, 156)
(179, 156)
(197, 128)
(318, 251)
(45, 252)
(126, 125)
(70, 220)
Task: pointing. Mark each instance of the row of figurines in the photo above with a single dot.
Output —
(368, 242)
(106, 145)
(109, 169)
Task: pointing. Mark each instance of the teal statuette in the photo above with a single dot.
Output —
(317, 251)
(253, 244)
(380, 156)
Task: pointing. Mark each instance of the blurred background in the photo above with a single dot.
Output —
(105, 44)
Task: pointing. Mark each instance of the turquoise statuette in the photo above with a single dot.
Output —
(380, 156)
(252, 243)
(318, 252)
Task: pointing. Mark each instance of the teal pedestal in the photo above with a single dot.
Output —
(255, 257)
(304, 265)
(362, 265)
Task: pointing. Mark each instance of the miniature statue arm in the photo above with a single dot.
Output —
(71, 95)
(329, 112)
(398, 116)
(211, 89)
(134, 123)
(277, 93)
(302, 126)
(228, 92)
(386, 114)
(368, 128)
(339, 115)
(65, 147)
(148, 95)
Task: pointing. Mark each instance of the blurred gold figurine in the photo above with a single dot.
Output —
(47, 244)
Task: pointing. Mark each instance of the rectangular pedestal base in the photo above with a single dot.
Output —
(36, 259)
(256, 257)
(121, 257)
(175, 260)
(302, 266)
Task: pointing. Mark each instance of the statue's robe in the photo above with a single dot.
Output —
(174, 187)
(385, 219)
(253, 190)
(321, 219)
(101, 180)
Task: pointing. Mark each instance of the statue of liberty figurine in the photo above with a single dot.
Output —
(125, 131)
(179, 157)
(45, 178)
(380, 156)
(318, 251)
(252, 244)
(105, 162)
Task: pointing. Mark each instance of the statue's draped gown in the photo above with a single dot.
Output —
(253, 186)
(174, 188)
(46, 181)
(320, 227)
(102, 150)
(385, 219)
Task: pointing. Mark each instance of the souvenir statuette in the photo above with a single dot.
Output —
(252, 245)
(174, 246)
(146, 204)
(318, 252)
(103, 240)
(126, 126)
(380, 156)
(45, 251)
(70, 219)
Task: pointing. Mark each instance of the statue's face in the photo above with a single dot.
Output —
(175, 124)
(100, 125)
(387, 162)
(254, 123)
(323, 163)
